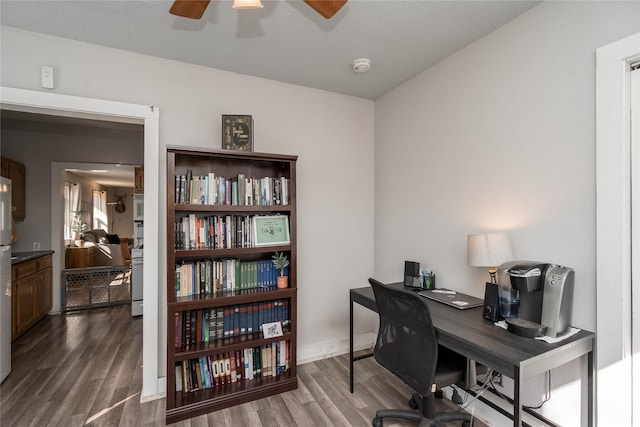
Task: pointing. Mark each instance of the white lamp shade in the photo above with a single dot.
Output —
(488, 250)
(247, 4)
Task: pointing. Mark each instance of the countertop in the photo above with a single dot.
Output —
(18, 257)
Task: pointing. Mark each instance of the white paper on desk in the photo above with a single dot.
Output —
(501, 324)
(552, 340)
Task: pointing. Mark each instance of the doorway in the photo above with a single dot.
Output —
(14, 99)
(618, 324)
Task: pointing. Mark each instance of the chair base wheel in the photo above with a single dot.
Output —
(413, 404)
(377, 422)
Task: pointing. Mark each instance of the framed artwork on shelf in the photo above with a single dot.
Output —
(271, 230)
(237, 132)
(272, 330)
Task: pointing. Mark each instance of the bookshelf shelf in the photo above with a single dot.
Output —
(232, 208)
(221, 253)
(231, 298)
(226, 345)
(218, 297)
(202, 401)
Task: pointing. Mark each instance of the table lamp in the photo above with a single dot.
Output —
(489, 250)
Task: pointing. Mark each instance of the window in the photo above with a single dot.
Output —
(99, 210)
(71, 205)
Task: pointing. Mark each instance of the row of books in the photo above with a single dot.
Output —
(210, 324)
(237, 191)
(214, 232)
(269, 360)
(211, 276)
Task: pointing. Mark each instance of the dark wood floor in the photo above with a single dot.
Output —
(84, 368)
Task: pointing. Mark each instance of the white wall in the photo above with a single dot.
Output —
(501, 136)
(122, 222)
(332, 135)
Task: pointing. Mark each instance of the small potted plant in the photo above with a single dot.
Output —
(78, 226)
(280, 261)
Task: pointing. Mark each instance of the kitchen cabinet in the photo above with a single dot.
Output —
(15, 171)
(31, 293)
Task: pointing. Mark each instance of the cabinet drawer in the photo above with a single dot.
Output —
(43, 263)
(24, 269)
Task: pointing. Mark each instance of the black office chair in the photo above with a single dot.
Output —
(407, 346)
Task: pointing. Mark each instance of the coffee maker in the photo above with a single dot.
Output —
(544, 295)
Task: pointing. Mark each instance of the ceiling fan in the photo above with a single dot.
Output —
(194, 9)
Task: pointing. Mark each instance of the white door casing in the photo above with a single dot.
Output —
(634, 113)
(614, 330)
(74, 106)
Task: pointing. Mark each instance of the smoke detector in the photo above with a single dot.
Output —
(361, 65)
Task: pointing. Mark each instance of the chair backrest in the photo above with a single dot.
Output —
(406, 343)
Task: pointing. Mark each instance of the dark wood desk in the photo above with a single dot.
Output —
(468, 333)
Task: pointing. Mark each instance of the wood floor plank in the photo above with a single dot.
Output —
(85, 369)
(216, 419)
(324, 401)
(276, 414)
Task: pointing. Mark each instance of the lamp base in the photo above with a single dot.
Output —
(492, 274)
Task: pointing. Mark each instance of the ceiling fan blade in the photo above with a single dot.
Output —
(326, 8)
(189, 8)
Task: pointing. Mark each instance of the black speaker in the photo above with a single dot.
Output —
(411, 270)
(491, 310)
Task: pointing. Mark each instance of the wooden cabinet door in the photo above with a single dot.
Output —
(25, 303)
(44, 296)
(18, 175)
(4, 167)
(16, 172)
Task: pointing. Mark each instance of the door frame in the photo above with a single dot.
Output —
(153, 386)
(615, 397)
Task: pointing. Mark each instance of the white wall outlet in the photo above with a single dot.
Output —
(36, 246)
(47, 77)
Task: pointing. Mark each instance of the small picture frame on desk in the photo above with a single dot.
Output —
(237, 132)
(271, 230)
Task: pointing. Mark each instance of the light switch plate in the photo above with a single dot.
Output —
(47, 77)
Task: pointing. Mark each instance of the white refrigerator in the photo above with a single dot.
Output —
(5, 277)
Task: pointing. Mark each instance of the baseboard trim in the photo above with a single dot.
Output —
(324, 350)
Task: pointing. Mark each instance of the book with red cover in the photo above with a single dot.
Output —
(198, 314)
(178, 330)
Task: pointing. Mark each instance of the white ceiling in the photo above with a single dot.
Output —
(107, 174)
(285, 41)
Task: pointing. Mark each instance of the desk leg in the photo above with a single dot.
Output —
(591, 382)
(351, 343)
(517, 395)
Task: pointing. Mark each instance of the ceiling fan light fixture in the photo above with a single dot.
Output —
(247, 4)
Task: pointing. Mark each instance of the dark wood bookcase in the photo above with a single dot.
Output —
(183, 404)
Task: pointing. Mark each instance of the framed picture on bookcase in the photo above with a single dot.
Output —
(237, 132)
(272, 330)
(271, 230)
